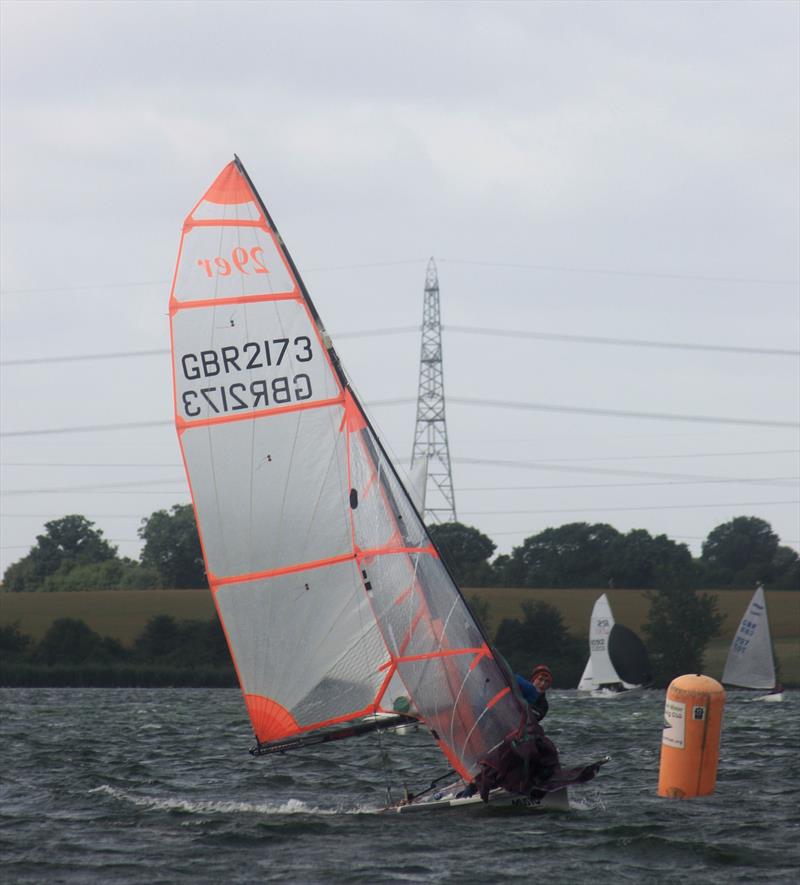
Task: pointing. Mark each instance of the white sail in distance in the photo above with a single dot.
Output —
(600, 626)
(750, 663)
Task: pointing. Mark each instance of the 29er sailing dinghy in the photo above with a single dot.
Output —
(340, 616)
(751, 663)
(618, 661)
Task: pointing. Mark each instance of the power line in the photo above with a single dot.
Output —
(782, 480)
(465, 401)
(95, 487)
(471, 330)
(87, 428)
(605, 271)
(642, 507)
(582, 410)
(83, 288)
(560, 268)
(623, 342)
(83, 357)
(178, 466)
(573, 468)
(663, 457)
(617, 413)
(81, 464)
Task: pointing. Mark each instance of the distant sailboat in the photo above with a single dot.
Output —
(618, 660)
(418, 483)
(751, 663)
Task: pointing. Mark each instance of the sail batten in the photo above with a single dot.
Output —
(333, 597)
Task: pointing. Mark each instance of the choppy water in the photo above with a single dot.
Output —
(149, 785)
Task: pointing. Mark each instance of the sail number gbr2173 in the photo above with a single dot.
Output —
(217, 386)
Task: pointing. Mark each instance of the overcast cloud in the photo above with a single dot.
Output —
(619, 170)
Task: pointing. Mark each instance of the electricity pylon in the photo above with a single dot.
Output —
(431, 449)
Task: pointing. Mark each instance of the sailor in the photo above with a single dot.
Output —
(527, 758)
(534, 690)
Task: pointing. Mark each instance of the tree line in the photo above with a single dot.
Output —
(166, 652)
(736, 555)
(72, 554)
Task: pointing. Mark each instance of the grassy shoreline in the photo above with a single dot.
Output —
(123, 614)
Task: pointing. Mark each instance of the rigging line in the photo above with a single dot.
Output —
(623, 342)
(643, 507)
(621, 273)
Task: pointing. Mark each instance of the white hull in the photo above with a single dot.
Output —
(774, 698)
(445, 798)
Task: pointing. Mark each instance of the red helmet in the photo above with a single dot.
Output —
(541, 670)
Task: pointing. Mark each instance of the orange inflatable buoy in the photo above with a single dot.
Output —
(690, 743)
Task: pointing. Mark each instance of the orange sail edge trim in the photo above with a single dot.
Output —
(432, 655)
(215, 582)
(498, 697)
(272, 721)
(455, 762)
(190, 223)
(372, 552)
(289, 295)
(353, 418)
(182, 425)
(230, 187)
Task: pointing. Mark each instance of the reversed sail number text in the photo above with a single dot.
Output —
(240, 258)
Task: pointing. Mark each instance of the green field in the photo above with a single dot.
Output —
(123, 614)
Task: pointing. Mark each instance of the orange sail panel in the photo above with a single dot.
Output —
(332, 596)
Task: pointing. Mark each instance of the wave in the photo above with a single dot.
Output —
(196, 806)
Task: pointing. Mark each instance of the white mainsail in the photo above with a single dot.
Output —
(331, 594)
(587, 679)
(750, 663)
(600, 626)
(418, 483)
(618, 660)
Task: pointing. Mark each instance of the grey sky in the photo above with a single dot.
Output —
(658, 141)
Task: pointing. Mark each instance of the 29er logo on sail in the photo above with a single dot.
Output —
(257, 392)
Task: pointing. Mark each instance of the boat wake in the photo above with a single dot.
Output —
(197, 806)
(586, 800)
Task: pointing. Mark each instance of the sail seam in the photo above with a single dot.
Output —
(182, 424)
(176, 304)
(224, 222)
(432, 655)
(276, 573)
